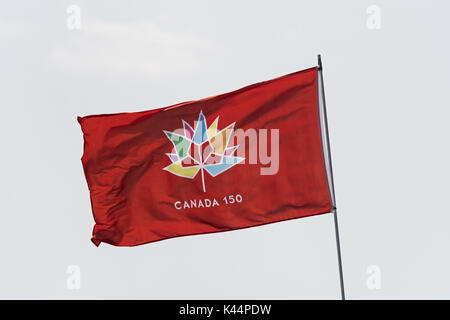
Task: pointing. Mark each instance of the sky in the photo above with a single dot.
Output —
(386, 85)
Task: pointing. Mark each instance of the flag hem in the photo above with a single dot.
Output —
(97, 242)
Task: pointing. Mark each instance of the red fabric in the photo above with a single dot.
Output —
(133, 198)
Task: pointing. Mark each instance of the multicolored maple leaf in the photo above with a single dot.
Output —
(202, 149)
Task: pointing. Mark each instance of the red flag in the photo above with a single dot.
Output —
(245, 158)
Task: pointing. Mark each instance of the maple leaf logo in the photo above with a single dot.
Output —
(202, 149)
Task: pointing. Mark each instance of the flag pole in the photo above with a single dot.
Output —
(334, 209)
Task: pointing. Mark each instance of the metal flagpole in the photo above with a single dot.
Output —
(331, 181)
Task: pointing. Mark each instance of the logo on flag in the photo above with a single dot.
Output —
(201, 149)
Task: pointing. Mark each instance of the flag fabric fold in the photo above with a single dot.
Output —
(245, 158)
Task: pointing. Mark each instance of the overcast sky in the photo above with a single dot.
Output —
(387, 90)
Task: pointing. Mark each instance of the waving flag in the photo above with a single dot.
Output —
(245, 158)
